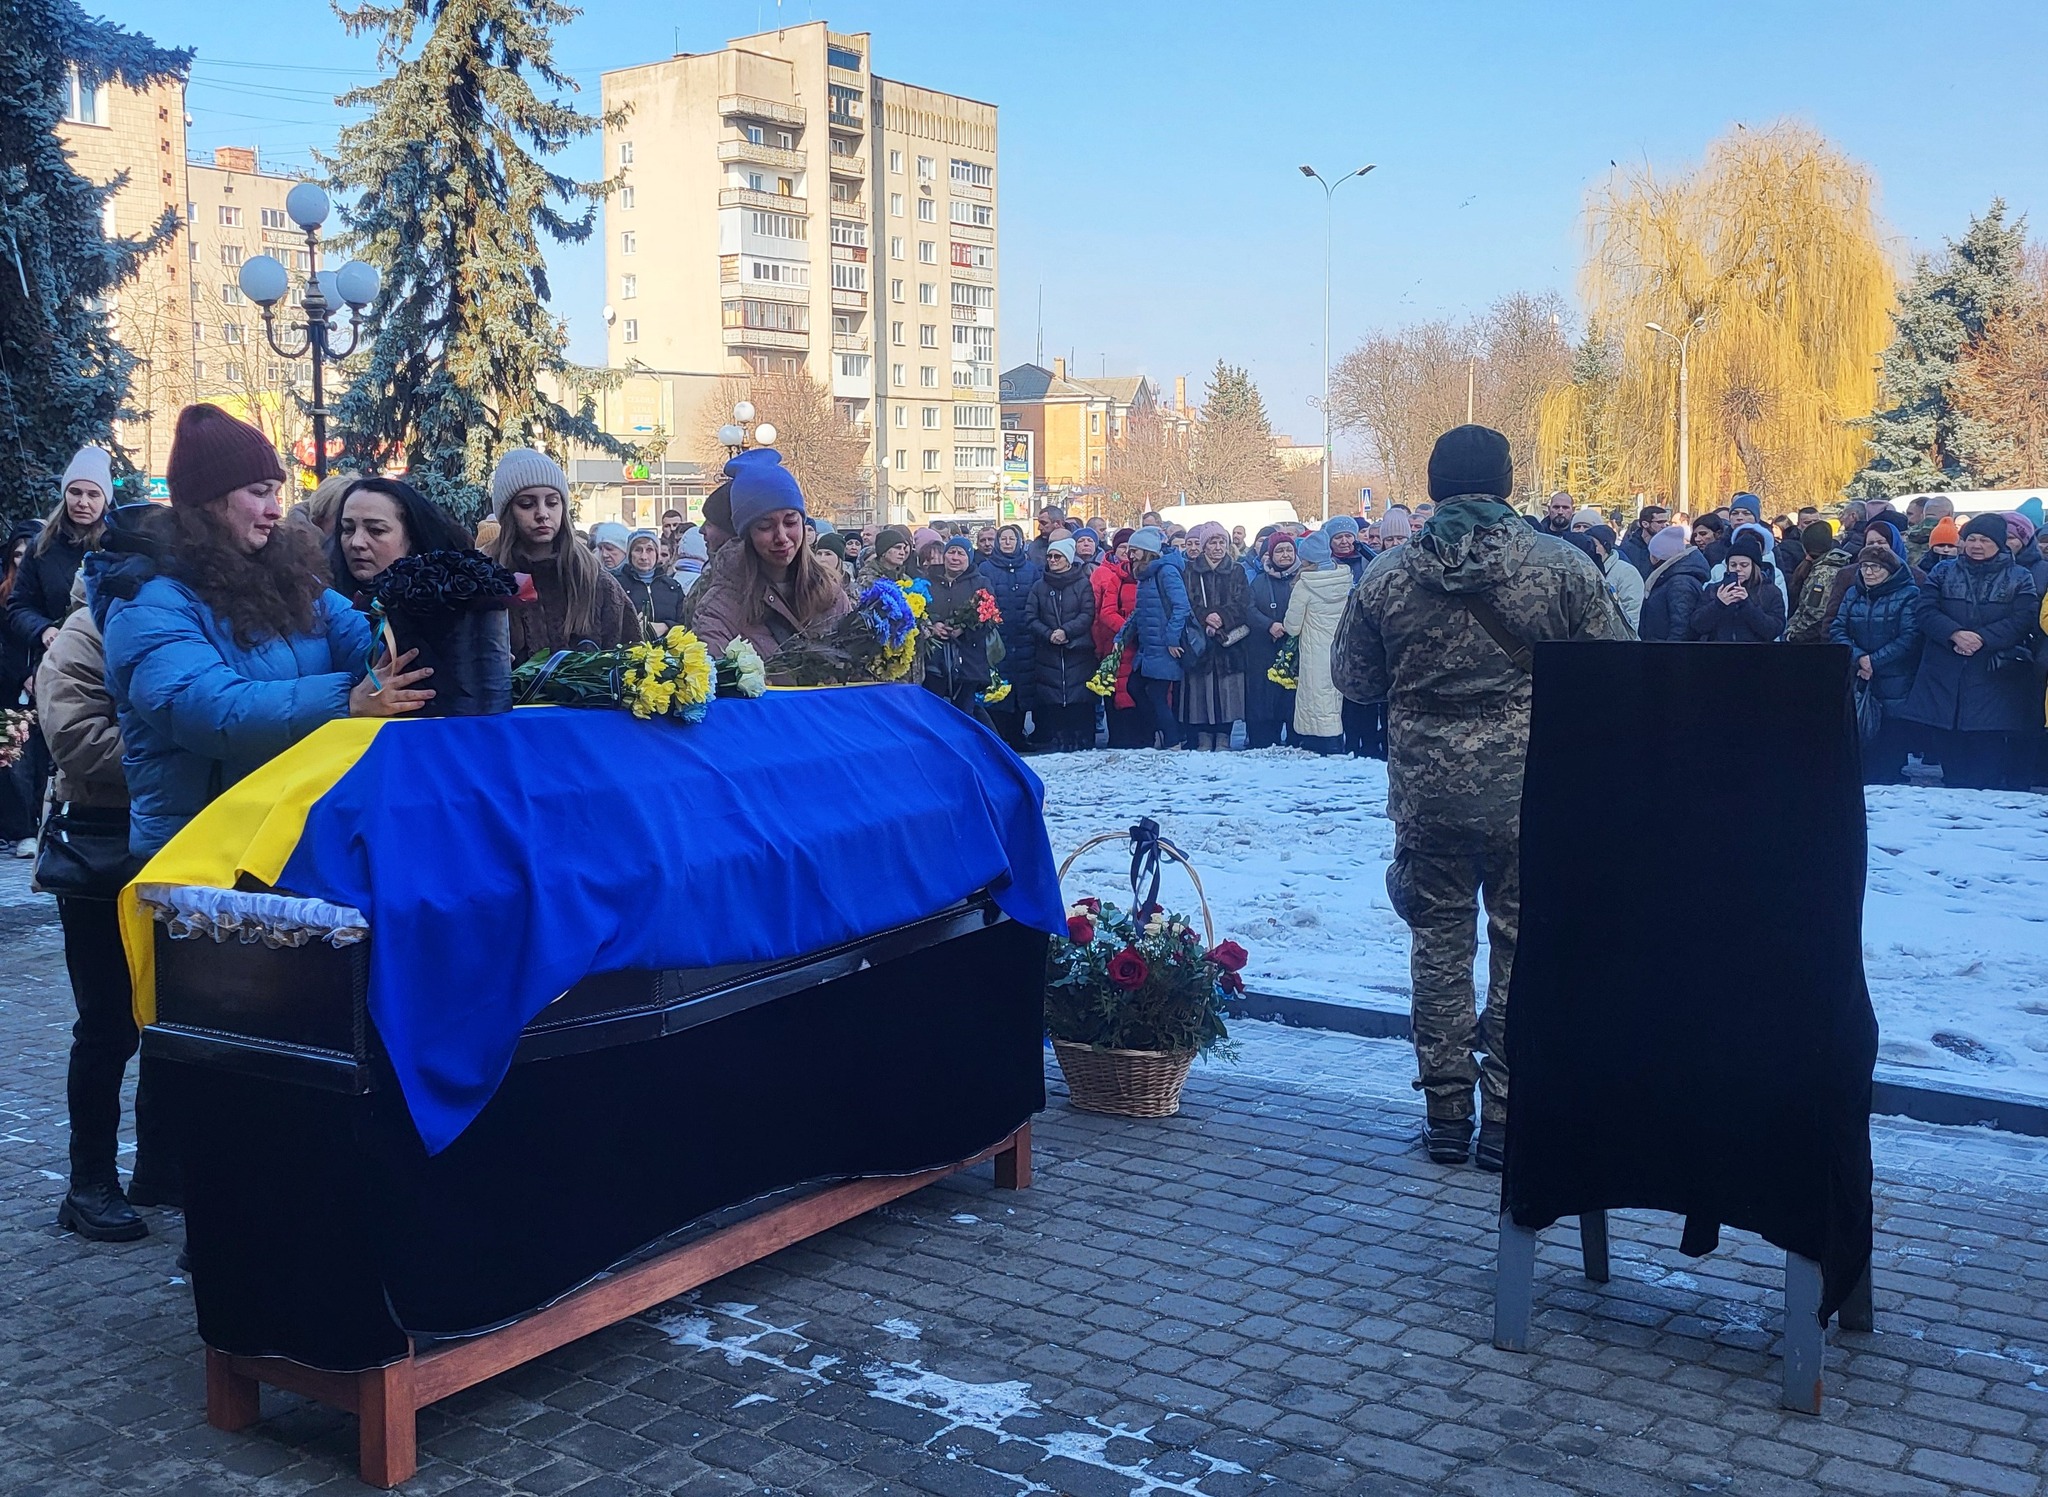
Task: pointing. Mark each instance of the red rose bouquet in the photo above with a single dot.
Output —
(978, 612)
(1118, 983)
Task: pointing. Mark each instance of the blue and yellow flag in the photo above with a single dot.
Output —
(500, 860)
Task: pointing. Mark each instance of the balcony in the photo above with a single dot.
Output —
(849, 166)
(761, 337)
(747, 197)
(764, 290)
(973, 234)
(849, 342)
(850, 208)
(849, 301)
(851, 254)
(968, 192)
(749, 107)
(971, 274)
(759, 155)
(974, 316)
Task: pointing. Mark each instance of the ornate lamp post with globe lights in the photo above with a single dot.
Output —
(734, 432)
(265, 282)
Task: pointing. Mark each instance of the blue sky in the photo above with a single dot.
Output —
(1148, 178)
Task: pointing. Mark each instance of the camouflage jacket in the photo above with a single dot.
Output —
(1457, 706)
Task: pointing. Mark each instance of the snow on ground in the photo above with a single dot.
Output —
(1292, 850)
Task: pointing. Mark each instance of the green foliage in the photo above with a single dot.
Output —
(63, 377)
(466, 359)
(1232, 397)
(1177, 1005)
(1920, 440)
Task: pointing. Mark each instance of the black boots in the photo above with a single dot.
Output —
(1448, 1140)
(98, 1212)
(1493, 1145)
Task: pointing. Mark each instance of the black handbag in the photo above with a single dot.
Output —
(83, 852)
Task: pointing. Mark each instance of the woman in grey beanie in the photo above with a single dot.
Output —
(581, 605)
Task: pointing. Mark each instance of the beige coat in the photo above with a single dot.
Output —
(1313, 613)
(77, 715)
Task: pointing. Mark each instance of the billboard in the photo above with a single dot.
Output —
(1015, 503)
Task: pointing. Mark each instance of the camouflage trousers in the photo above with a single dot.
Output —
(1435, 882)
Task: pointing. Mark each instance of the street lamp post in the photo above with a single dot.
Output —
(1684, 342)
(265, 282)
(1329, 231)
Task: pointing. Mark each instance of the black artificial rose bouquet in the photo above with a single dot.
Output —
(449, 609)
(441, 582)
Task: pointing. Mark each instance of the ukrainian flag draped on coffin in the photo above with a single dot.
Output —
(500, 860)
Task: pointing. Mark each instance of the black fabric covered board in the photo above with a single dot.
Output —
(1689, 1029)
(320, 1230)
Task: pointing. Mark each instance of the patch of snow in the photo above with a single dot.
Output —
(964, 1220)
(756, 1340)
(902, 1330)
(753, 1398)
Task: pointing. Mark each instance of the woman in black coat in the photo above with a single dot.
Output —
(41, 595)
(1213, 684)
(1879, 621)
(956, 659)
(1062, 617)
(1975, 686)
(1742, 608)
(1672, 592)
(656, 596)
(1008, 575)
(1268, 707)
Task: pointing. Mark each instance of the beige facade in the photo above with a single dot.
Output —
(783, 210)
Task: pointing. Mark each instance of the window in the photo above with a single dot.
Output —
(231, 255)
(232, 373)
(927, 211)
(273, 218)
(772, 225)
(927, 293)
(968, 297)
(972, 174)
(231, 294)
(928, 335)
(977, 343)
(625, 153)
(903, 415)
(843, 103)
(927, 169)
(849, 233)
(931, 460)
(848, 277)
(230, 216)
(895, 205)
(896, 291)
(756, 134)
(927, 252)
(846, 192)
(1095, 423)
(843, 57)
(928, 377)
(902, 460)
(628, 242)
(231, 332)
(895, 246)
(981, 215)
(931, 418)
(896, 333)
(198, 332)
(896, 162)
(629, 330)
(770, 316)
(626, 199)
(779, 272)
(896, 374)
(629, 287)
(974, 457)
(85, 102)
(974, 256)
(302, 261)
(975, 417)
(784, 141)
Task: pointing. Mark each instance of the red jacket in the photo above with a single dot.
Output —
(1116, 594)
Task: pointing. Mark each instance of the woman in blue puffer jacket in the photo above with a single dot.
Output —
(236, 648)
(1157, 630)
(1009, 575)
(1879, 621)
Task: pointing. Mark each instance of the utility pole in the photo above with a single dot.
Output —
(1329, 235)
(1684, 343)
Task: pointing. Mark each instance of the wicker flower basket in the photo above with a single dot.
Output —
(1129, 1083)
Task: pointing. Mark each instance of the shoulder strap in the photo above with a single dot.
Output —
(1488, 618)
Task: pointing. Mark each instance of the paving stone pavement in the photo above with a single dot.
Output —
(1271, 1293)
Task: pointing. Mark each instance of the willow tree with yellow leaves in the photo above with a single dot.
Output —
(1773, 245)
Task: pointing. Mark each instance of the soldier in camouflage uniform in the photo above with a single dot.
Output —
(1415, 635)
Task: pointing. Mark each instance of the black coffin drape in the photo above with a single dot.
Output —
(321, 1230)
(1689, 1028)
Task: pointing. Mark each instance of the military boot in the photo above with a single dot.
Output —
(1492, 1153)
(1448, 1140)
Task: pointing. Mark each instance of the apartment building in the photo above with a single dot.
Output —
(235, 210)
(1074, 421)
(784, 210)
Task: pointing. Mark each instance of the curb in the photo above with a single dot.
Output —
(1890, 1094)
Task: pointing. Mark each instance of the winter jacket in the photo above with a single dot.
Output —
(1672, 598)
(1993, 690)
(1626, 583)
(1812, 609)
(1637, 552)
(1223, 591)
(1314, 609)
(1159, 621)
(77, 715)
(198, 710)
(958, 667)
(658, 602)
(1063, 601)
(542, 628)
(1116, 595)
(1757, 620)
(1768, 578)
(718, 609)
(1883, 622)
(1266, 605)
(42, 592)
(1009, 580)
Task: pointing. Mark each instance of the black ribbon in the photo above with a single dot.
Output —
(1145, 845)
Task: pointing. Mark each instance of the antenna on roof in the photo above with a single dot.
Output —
(1038, 357)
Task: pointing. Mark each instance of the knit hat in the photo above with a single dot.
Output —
(834, 542)
(1748, 542)
(1766, 542)
(609, 532)
(1945, 532)
(213, 454)
(960, 543)
(692, 546)
(924, 535)
(1667, 543)
(2031, 509)
(1340, 524)
(1878, 554)
(889, 537)
(642, 534)
(94, 466)
(1314, 550)
(1470, 460)
(1817, 538)
(1604, 534)
(718, 507)
(1991, 527)
(1149, 538)
(1061, 548)
(523, 468)
(1746, 501)
(1122, 537)
(1088, 531)
(1395, 527)
(1581, 541)
(1280, 538)
(2019, 527)
(760, 486)
(1589, 517)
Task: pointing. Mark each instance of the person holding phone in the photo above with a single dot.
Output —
(1739, 607)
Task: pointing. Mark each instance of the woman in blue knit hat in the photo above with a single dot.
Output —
(768, 584)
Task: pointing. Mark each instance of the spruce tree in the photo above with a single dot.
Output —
(1919, 439)
(63, 377)
(1233, 457)
(466, 359)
